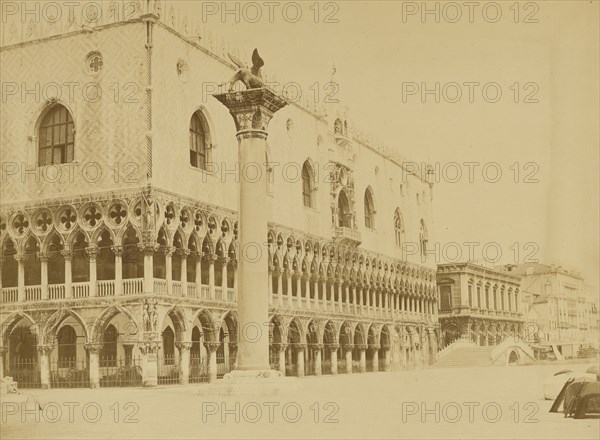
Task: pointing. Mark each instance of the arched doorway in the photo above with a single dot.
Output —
(294, 346)
(21, 358)
(329, 339)
(345, 342)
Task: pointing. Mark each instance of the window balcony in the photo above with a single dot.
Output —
(346, 236)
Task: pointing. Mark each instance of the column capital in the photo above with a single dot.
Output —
(225, 260)
(92, 252)
(297, 347)
(212, 346)
(317, 347)
(334, 346)
(149, 347)
(93, 347)
(184, 253)
(252, 110)
(117, 250)
(184, 345)
(67, 254)
(169, 250)
(43, 257)
(45, 348)
(19, 257)
(148, 247)
(361, 347)
(348, 347)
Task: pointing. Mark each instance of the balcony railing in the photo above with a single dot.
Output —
(105, 288)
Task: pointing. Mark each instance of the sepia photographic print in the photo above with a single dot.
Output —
(299, 219)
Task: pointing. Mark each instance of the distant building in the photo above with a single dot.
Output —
(561, 310)
(478, 303)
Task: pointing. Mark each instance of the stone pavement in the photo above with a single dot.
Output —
(457, 403)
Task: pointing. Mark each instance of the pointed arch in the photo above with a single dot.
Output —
(369, 208)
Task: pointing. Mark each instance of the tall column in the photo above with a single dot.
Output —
(318, 348)
(44, 275)
(184, 362)
(211, 275)
(198, 256)
(44, 359)
(279, 288)
(354, 299)
(20, 276)
(93, 350)
(252, 110)
(148, 248)
(348, 354)
(300, 359)
(388, 357)
(299, 288)
(270, 283)
(183, 253)
(306, 278)
(281, 364)
(315, 280)
(363, 359)
(224, 263)
(92, 253)
(288, 279)
(211, 348)
(118, 251)
(334, 361)
(169, 251)
(68, 256)
(375, 359)
(3, 351)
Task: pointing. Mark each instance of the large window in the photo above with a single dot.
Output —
(56, 137)
(199, 141)
(307, 185)
(369, 209)
(344, 215)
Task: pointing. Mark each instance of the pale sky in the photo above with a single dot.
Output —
(552, 143)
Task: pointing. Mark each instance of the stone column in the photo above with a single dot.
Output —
(270, 284)
(354, 298)
(252, 111)
(363, 359)
(334, 364)
(148, 248)
(300, 359)
(184, 362)
(3, 351)
(288, 279)
(169, 251)
(183, 253)
(306, 278)
(224, 263)
(68, 256)
(318, 348)
(92, 253)
(388, 357)
(118, 251)
(93, 350)
(20, 276)
(315, 280)
(375, 359)
(348, 353)
(198, 279)
(149, 350)
(279, 288)
(211, 349)
(44, 358)
(282, 348)
(211, 275)
(44, 275)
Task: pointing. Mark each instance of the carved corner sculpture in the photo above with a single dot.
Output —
(251, 77)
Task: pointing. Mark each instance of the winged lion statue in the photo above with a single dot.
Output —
(251, 77)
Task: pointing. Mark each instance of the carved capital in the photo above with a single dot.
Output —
(279, 346)
(148, 247)
(212, 346)
(334, 347)
(117, 250)
(67, 254)
(45, 349)
(149, 347)
(361, 347)
(252, 110)
(317, 347)
(169, 250)
(184, 345)
(184, 253)
(19, 257)
(92, 252)
(93, 347)
(297, 347)
(347, 347)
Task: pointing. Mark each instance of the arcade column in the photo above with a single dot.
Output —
(251, 111)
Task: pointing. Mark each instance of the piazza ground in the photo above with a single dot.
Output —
(506, 402)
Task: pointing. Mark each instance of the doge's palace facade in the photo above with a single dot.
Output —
(119, 227)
